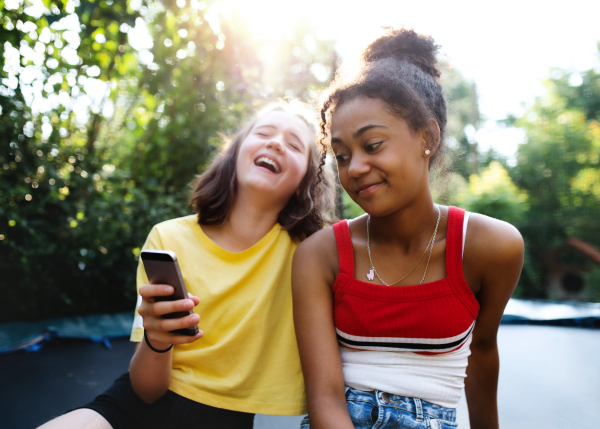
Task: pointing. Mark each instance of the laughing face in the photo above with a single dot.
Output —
(273, 158)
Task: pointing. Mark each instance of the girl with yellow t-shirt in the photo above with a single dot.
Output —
(261, 195)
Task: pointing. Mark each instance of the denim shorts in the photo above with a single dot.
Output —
(380, 410)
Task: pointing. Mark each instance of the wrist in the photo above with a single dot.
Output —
(157, 346)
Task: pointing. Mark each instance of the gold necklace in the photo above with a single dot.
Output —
(373, 272)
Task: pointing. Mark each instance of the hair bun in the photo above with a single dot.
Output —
(405, 45)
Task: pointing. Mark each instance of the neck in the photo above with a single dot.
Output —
(251, 218)
(407, 227)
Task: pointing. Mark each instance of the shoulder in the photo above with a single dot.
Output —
(492, 247)
(320, 243)
(162, 234)
(493, 237)
(177, 224)
(319, 251)
(493, 259)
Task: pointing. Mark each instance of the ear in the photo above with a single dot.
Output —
(430, 136)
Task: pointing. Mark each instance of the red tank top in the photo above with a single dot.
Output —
(431, 318)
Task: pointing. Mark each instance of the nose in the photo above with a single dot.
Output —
(358, 166)
(276, 143)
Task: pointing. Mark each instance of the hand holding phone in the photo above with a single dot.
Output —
(162, 268)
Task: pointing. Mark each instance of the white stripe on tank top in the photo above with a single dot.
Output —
(438, 379)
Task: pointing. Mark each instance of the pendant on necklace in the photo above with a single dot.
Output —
(371, 275)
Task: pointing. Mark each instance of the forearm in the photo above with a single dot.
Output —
(150, 372)
(481, 387)
(315, 332)
(328, 412)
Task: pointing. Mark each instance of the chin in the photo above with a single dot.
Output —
(267, 189)
(377, 213)
(376, 209)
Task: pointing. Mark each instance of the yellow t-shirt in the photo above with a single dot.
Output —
(248, 358)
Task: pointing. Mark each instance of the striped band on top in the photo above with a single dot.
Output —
(439, 345)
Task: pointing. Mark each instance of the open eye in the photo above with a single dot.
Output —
(372, 147)
(341, 159)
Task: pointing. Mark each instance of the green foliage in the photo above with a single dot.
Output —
(493, 194)
(559, 167)
(592, 280)
(446, 189)
(463, 114)
(102, 129)
(350, 208)
(461, 157)
(297, 65)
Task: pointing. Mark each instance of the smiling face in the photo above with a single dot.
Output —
(381, 161)
(273, 158)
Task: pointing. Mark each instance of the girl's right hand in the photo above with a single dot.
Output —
(158, 329)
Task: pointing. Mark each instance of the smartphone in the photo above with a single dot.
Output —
(162, 268)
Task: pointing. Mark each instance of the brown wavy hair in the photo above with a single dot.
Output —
(307, 211)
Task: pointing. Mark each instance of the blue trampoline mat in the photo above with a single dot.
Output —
(31, 336)
(96, 327)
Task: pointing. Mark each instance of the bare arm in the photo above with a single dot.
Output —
(150, 372)
(498, 248)
(312, 277)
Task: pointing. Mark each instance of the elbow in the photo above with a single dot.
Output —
(149, 397)
(148, 393)
(148, 389)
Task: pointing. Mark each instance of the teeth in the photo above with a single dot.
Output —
(268, 161)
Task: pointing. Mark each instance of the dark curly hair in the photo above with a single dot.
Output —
(311, 209)
(399, 68)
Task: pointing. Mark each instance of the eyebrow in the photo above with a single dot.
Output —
(291, 132)
(366, 128)
(358, 133)
(265, 126)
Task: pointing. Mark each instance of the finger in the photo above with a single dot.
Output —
(194, 298)
(150, 291)
(166, 325)
(151, 308)
(161, 308)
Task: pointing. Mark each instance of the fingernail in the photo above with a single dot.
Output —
(168, 289)
(188, 305)
(195, 318)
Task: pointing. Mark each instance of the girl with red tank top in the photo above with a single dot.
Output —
(397, 310)
(431, 318)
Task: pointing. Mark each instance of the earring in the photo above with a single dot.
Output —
(427, 152)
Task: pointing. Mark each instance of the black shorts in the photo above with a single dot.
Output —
(123, 409)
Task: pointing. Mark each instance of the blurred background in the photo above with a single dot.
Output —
(109, 108)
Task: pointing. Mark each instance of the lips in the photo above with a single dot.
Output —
(367, 188)
(269, 163)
